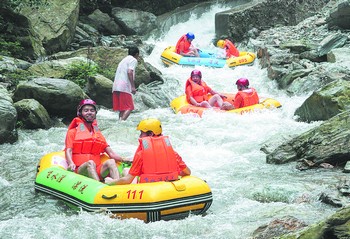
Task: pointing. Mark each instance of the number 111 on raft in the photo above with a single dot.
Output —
(134, 194)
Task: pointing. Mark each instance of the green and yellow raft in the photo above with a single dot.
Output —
(181, 105)
(146, 201)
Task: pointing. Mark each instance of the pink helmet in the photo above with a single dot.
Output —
(85, 102)
(196, 72)
(242, 82)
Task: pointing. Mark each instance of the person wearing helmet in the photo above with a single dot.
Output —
(124, 84)
(185, 47)
(85, 143)
(155, 159)
(198, 92)
(230, 49)
(245, 96)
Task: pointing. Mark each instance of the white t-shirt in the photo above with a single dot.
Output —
(121, 79)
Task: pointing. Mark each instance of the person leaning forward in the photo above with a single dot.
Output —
(185, 47)
(124, 84)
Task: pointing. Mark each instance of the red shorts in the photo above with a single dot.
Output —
(99, 173)
(98, 170)
(122, 101)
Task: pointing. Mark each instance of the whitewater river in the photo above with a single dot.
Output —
(223, 149)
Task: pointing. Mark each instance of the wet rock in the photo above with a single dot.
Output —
(340, 17)
(32, 114)
(331, 199)
(336, 226)
(8, 132)
(347, 167)
(326, 143)
(278, 227)
(99, 88)
(104, 23)
(58, 96)
(52, 27)
(326, 102)
(263, 15)
(297, 46)
(134, 21)
(335, 40)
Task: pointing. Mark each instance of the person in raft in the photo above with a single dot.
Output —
(85, 143)
(185, 47)
(197, 93)
(155, 159)
(246, 96)
(124, 84)
(230, 49)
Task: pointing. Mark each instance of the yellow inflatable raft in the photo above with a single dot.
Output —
(169, 57)
(180, 104)
(146, 201)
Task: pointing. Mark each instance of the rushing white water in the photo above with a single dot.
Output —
(223, 149)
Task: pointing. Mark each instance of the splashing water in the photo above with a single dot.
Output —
(223, 149)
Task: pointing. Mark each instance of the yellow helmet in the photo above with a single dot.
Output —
(220, 43)
(153, 125)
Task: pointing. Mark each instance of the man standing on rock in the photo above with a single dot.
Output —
(124, 84)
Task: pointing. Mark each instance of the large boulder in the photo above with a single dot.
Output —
(12, 64)
(238, 21)
(55, 68)
(327, 143)
(134, 22)
(99, 88)
(60, 97)
(8, 115)
(103, 23)
(52, 25)
(325, 103)
(14, 28)
(340, 16)
(32, 114)
(336, 226)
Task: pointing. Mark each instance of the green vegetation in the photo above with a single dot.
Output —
(13, 78)
(13, 49)
(18, 76)
(79, 73)
(19, 124)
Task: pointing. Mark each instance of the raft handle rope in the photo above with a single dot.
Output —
(111, 197)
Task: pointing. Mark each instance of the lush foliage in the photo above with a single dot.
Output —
(13, 49)
(79, 73)
(13, 78)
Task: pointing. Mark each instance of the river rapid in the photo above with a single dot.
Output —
(223, 149)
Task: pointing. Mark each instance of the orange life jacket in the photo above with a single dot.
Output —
(250, 97)
(231, 50)
(198, 92)
(159, 160)
(87, 146)
(186, 43)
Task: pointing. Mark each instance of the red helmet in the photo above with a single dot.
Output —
(196, 73)
(85, 102)
(242, 82)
